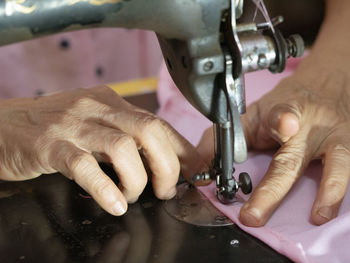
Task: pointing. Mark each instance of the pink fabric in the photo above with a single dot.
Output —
(89, 58)
(289, 231)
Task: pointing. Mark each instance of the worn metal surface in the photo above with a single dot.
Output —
(180, 19)
(192, 207)
(188, 33)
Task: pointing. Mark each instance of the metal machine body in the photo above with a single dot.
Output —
(207, 54)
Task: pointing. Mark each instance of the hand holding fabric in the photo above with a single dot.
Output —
(305, 117)
(308, 115)
(64, 132)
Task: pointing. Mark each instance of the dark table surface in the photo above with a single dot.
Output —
(51, 219)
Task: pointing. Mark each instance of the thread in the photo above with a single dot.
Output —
(260, 6)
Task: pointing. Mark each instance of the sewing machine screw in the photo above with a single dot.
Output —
(262, 61)
(220, 219)
(201, 177)
(234, 243)
(208, 66)
(245, 183)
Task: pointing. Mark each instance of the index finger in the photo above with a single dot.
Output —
(284, 170)
(82, 167)
(191, 161)
(165, 149)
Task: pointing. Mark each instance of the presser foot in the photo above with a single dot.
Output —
(226, 189)
(192, 207)
(226, 193)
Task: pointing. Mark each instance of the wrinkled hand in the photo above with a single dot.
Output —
(64, 132)
(308, 116)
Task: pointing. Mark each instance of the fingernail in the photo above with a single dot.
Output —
(133, 200)
(251, 216)
(118, 209)
(172, 193)
(326, 212)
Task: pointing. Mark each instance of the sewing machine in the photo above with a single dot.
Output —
(206, 48)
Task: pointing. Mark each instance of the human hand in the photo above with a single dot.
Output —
(307, 115)
(64, 132)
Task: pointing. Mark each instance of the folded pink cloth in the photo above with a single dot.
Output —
(289, 231)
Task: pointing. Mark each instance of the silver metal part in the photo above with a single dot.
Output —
(238, 8)
(246, 27)
(236, 98)
(191, 206)
(201, 177)
(229, 139)
(255, 47)
(234, 243)
(258, 51)
(275, 22)
(295, 45)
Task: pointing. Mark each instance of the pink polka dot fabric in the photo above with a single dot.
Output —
(79, 59)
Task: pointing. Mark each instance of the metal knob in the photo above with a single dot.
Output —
(201, 177)
(295, 45)
(245, 183)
